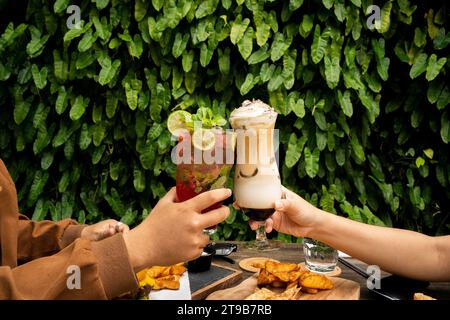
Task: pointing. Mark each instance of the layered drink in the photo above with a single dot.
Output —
(257, 182)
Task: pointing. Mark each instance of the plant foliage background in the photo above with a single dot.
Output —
(364, 117)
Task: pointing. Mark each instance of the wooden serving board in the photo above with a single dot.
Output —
(217, 278)
(343, 290)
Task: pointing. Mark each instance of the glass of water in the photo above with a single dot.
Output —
(319, 257)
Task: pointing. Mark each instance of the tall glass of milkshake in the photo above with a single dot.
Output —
(257, 182)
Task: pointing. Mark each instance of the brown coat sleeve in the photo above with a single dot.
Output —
(42, 238)
(105, 273)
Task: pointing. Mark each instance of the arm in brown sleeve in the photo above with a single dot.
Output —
(105, 273)
(41, 238)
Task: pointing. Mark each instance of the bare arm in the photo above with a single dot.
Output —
(397, 251)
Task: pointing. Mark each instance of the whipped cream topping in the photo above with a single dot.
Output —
(252, 111)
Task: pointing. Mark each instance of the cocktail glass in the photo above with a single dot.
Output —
(203, 167)
(257, 184)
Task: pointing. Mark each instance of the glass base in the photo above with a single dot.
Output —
(324, 268)
(267, 245)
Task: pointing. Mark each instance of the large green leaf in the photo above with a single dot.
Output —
(260, 55)
(101, 4)
(132, 89)
(60, 5)
(135, 47)
(332, 70)
(179, 45)
(61, 100)
(358, 150)
(294, 150)
(21, 109)
(108, 72)
(188, 58)
(206, 8)
(372, 104)
(245, 44)
(78, 107)
(86, 42)
(39, 76)
(385, 17)
(345, 102)
(295, 4)
(382, 61)
(101, 27)
(419, 66)
(262, 33)
(311, 161)
(445, 127)
(280, 45)
(36, 45)
(140, 9)
(318, 47)
(238, 29)
(434, 67)
(206, 54)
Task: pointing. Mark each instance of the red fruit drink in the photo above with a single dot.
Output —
(204, 171)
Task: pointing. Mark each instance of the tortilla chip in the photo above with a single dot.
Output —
(295, 275)
(169, 282)
(276, 267)
(157, 271)
(177, 269)
(261, 294)
(266, 294)
(315, 281)
(266, 278)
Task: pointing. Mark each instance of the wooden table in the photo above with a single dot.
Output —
(293, 252)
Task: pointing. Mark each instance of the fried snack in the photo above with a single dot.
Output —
(295, 275)
(421, 296)
(278, 267)
(315, 281)
(168, 282)
(177, 269)
(141, 275)
(158, 277)
(261, 294)
(157, 271)
(310, 290)
(258, 265)
(266, 278)
(290, 276)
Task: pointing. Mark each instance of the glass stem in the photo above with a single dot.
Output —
(261, 238)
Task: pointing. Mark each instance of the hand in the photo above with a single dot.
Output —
(173, 232)
(103, 229)
(293, 215)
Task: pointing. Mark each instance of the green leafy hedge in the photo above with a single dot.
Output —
(365, 124)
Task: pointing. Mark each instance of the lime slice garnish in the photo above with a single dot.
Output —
(177, 122)
(203, 139)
